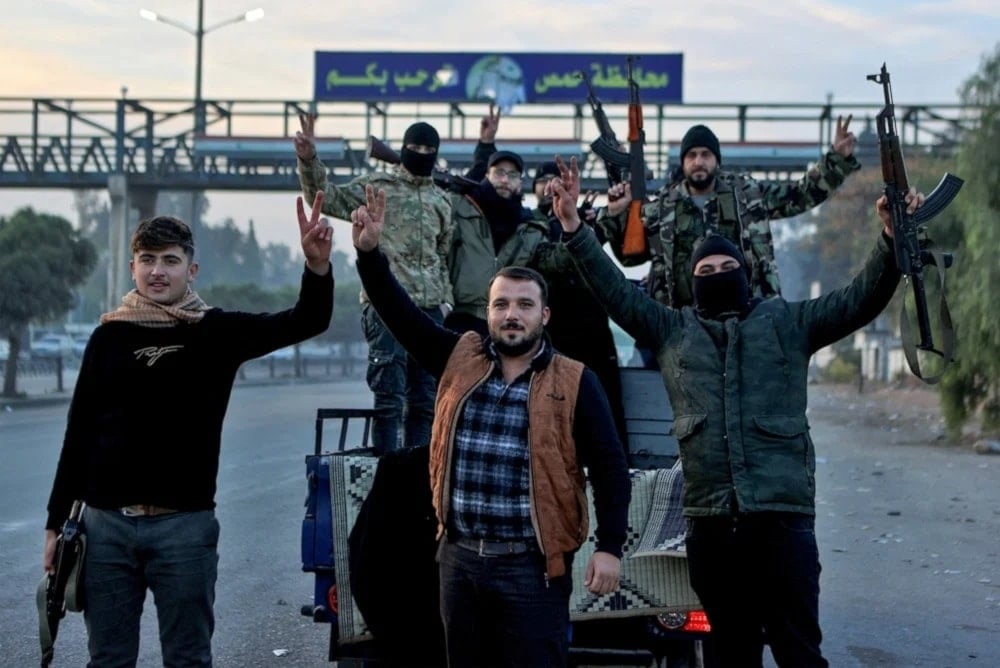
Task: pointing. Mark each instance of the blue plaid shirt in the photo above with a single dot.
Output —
(491, 481)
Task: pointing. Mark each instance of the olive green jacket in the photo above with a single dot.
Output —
(472, 260)
(738, 387)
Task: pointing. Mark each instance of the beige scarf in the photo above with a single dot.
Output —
(139, 310)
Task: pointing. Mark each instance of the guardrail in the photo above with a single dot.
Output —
(78, 143)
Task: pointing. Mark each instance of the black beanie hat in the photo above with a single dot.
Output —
(700, 135)
(422, 134)
(715, 244)
(545, 169)
(506, 155)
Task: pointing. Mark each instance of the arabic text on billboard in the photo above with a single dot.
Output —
(508, 79)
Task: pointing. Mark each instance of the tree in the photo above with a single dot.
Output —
(247, 297)
(846, 225)
(280, 266)
(227, 255)
(42, 258)
(93, 216)
(972, 383)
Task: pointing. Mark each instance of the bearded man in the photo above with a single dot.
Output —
(514, 425)
(704, 199)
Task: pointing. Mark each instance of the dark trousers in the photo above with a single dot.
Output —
(499, 611)
(404, 392)
(175, 557)
(757, 576)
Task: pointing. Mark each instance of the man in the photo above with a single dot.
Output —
(143, 434)
(534, 244)
(543, 211)
(708, 200)
(416, 242)
(735, 367)
(515, 424)
(579, 326)
(491, 229)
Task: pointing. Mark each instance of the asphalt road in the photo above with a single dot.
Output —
(909, 538)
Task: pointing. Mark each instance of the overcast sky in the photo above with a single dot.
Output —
(774, 51)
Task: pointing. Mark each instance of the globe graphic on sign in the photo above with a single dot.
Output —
(498, 79)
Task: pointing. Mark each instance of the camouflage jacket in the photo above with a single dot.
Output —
(740, 209)
(417, 232)
(472, 261)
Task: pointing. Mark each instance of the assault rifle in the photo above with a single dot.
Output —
(634, 244)
(912, 253)
(61, 590)
(606, 143)
(379, 150)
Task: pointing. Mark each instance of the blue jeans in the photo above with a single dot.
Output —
(175, 557)
(404, 392)
(500, 611)
(757, 577)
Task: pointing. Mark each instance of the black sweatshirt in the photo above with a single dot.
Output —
(145, 422)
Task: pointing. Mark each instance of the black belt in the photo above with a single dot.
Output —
(142, 510)
(495, 548)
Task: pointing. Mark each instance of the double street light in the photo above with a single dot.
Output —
(199, 34)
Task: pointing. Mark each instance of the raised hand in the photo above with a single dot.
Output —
(316, 235)
(619, 197)
(305, 138)
(914, 200)
(565, 192)
(368, 219)
(488, 126)
(587, 211)
(844, 140)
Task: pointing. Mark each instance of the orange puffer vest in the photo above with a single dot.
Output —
(558, 498)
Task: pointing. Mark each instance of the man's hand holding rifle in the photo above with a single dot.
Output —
(913, 254)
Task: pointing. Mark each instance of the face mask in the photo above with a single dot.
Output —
(721, 293)
(418, 164)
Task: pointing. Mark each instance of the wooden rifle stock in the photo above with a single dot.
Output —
(634, 244)
(911, 254)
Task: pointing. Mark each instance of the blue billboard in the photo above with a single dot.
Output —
(506, 78)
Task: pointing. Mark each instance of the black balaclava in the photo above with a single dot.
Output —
(722, 294)
(423, 134)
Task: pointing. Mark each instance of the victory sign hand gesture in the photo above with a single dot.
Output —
(316, 235)
(368, 219)
(844, 140)
(305, 138)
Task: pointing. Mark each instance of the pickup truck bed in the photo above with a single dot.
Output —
(641, 623)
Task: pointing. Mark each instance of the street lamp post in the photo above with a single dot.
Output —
(199, 35)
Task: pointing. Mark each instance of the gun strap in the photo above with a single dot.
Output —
(46, 635)
(729, 207)
(656, 248)
(947, 329)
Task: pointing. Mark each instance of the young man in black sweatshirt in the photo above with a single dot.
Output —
(142, 439)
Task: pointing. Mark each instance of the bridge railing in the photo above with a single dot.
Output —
(247, 144)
